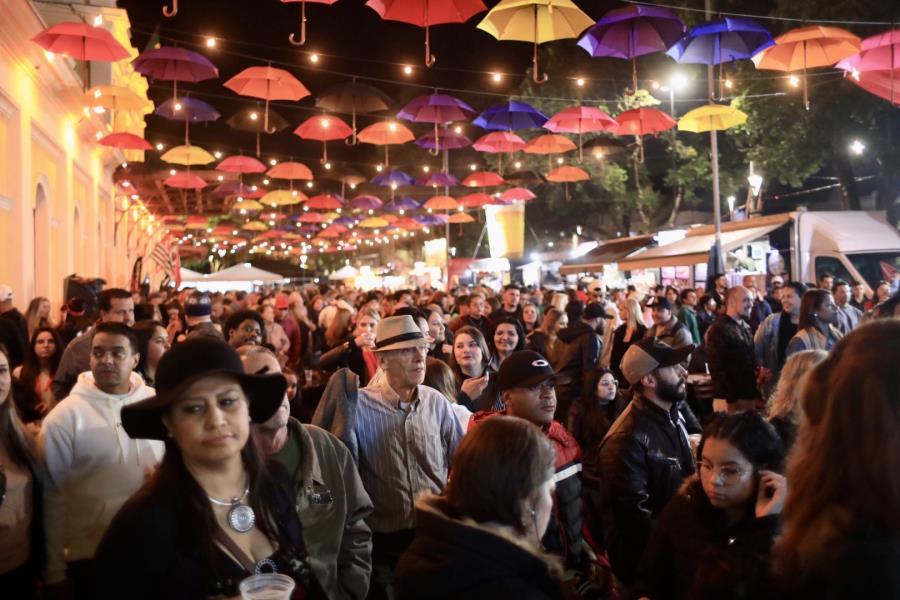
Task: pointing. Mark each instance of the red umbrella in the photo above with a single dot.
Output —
(517, 194)
(267, 83)
(174, 64)
(325, 202)
(580, 120)
(323, 128)
(241, 164)
(476, 200)
(483, 179)
(185, 181)
(641, 121)
(126, 141)
(81, 41)
(303, 18)
(425, 13)
(498, 142)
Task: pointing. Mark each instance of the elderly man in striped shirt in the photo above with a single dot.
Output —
(406, 434)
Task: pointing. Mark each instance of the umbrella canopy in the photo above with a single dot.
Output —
(267, 83)
(366, 202)
(440, 179)
(312, 217)
(425, 13)
(435, 108)
(386, 133)
(431, 220)
(81, 42)
(580, 120)
(282, 198)
(290, 170)
(604, 146)
(354, 98)
(125, 141)
(883, 84)
(393, 178)
(476, 200)
(169, 63)
(401, 205)
(567, 174)
(325, 202)
(443, 139)
(251, 119)
(247, 205)
(550, 143)
(808, 47)
(323, 128)
(373, 223)
(511, 115)
(187, 109)
(642, 121)
(407, 223)
(233, 188)
(712, 117)
(188, 155)
(441, 203)
(483, 179)
(241, 164)
(499, 141)
(631, 32)
(186, 181)
(254, 226)
(879, 52)
(114, 97)
(535, 21)
(517, 194)
(460, 218)
(302, 39)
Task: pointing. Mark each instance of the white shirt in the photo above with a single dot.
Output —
(93, 467)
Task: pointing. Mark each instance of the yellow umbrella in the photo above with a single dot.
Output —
(114, 97)
(535, 21)
(248, 205)
(254, 226)
(188, 155)
(283, 198)
(373, 223)
(712, 117)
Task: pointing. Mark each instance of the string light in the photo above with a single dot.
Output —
(159, 147)
(580, 82)
(172, 172)
(254, 116)
(313, 58)
(98, 21)
(217, 154)
(794, 81)
(473, 167)
(327, 166)
(220, 178)
(497, 77)
(273, 162)
(210, 42)
(729, 84)
(407, 70)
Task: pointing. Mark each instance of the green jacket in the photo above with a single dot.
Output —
(333, 506)
(688, 318)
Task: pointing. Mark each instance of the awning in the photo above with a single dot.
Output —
(694, 249)
(609, 251)
(244, 272)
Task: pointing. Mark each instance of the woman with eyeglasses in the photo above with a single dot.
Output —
(714, 538)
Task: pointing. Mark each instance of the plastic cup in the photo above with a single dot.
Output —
(267, 586)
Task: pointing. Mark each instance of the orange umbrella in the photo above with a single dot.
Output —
(641, 121)
(323, 128)
(290, 170)
(267, 83)
(386, 133)
(441, 203)
(325, 202)
(476, 200)
(483, 179)
(460, 218)
(517, 194)
(567, 174)
(548, 144)
(808, 47)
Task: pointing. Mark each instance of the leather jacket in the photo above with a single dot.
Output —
(576, 353)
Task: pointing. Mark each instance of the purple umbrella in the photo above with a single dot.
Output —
(431, 220)
(189, 110)
(720, 41)
(232, 188)
(443, 139)
(393, 178)
(436, 108)
(366, 202)
(345, 221)
(174, 64)
(511, 115)
(631, 32)
(439, 179)
(401, 205)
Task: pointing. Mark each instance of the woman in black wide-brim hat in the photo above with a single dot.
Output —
(213, 513)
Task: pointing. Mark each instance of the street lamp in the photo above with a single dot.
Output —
(731, 200)
(754, 201)
(857, 147)
(676, 83)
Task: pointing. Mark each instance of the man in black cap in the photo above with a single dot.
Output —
(577, 352)
(645, 456)
(527, 382)
(666, 326)
(198, 317)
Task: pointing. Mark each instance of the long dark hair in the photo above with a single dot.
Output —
(475, 334)
(31, 367)
(751, 435)
(197, 522)
(520, 332)
(809, 307)
(592, 419)
(144, 331)
(12, 434)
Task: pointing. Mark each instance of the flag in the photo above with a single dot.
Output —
(162, 256)
(154, 41)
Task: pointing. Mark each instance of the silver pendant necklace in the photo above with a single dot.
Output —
(240, 516)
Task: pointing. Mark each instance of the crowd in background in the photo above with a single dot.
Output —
(588, 442)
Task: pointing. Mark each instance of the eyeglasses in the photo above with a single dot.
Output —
(612, 383)
(730, 475)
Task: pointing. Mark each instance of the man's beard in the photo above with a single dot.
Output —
(671, 392)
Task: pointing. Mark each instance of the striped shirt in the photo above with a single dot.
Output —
(404, 450)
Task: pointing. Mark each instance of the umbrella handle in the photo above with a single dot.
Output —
(302, 40)
(353, 141)
(429, 57)
(171, 12)
(534, 67)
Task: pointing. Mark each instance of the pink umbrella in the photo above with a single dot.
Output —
(267, 83)
(325, 202)
(174, 64)
(241, 164)
(81, 41)
(498, 142)
(126, 141)
(323, 128)
(517, 194)
(483, 179)
(877, 65)
(185, 181)
(580, 120)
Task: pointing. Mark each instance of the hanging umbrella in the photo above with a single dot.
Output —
(188, 155)
(267, 83)
(631, 32)
(441, 203)
(114, 97)
(720, 41)
(81, 42)
(511, 115)
(604, 146)
(548, 144)
(580, 120)
(425, 13)
(806, 48)
(407, 223)
(443, 139)
(366, 202)
(535, 21)
(354, 98)
(483, 179)
(393, 178)
(877, 66)
(374, 223)
(312, 217)
(185, 181)
(525, 178)
(302, 39)
(566, 175)
(439, 179)
(461, 217)
(712, 117)
(476, 200)
(232, 188)
(642, 121)
(168, 63)
(401, 205)
(325, 202)
(254, 226)
(187, 109)
(880, 83)
(323, 128)
(247, 205)
(251, 119)
(386, 133)
(241, 164)
(517, 194)
(290, 170)
(431, 220)
(498, 142)
(282, 198)
(436, 108)
(125, 141)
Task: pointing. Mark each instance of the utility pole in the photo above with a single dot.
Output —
(714, 156)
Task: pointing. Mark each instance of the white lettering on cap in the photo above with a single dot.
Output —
(540, 363)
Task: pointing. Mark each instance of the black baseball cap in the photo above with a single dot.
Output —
(661, 302)
(647, 355)
(198, 304)
(526, 368)
(595, 310)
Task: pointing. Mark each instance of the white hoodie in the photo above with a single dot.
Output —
(93, 467)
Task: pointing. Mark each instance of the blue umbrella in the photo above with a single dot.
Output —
(511, 115)
(720, 41)
(189, 110)
(431, 220)
(401, 204)
(393, 178)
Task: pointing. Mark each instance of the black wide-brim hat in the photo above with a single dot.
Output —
(188, 362)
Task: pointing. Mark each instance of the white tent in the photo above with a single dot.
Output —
(345, 272)
(242, 276)
(188, 275)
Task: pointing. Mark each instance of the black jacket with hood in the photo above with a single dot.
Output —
(576, 353)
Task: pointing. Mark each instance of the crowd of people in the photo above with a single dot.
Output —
(591, 442)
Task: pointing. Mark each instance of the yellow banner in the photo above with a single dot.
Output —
(506, 230)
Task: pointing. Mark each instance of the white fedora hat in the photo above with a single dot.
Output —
(397, 333)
